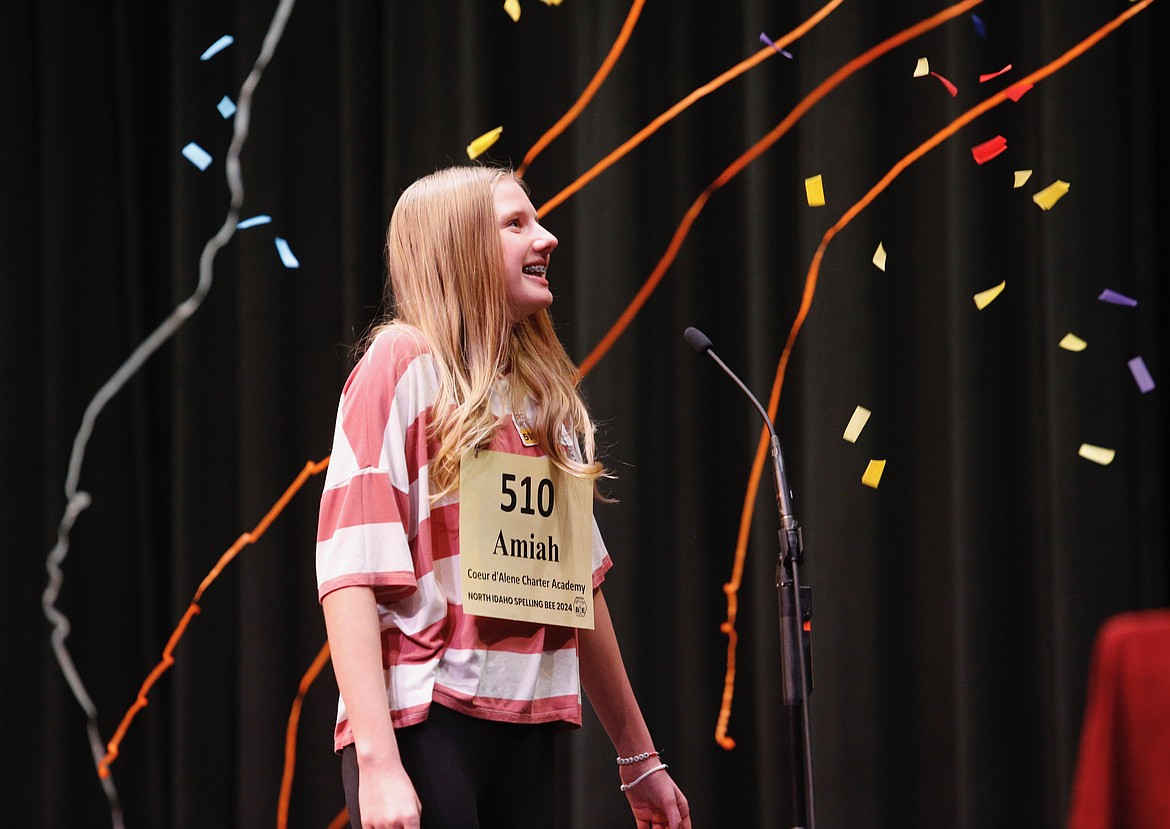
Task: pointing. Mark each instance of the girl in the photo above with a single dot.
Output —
(448, 716)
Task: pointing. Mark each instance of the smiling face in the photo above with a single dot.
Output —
(527, 247)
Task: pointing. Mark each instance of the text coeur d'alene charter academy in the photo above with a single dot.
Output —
(526, 580)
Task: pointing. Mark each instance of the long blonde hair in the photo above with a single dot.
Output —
(446, 278)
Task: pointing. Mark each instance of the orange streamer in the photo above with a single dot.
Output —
(731, 589)
(193, 609)
(757, 149)
(653, 127)
(576, 109)
(290, 735)
(810, 292)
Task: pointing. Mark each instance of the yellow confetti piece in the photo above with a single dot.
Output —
(814, 191)
(551, 2)
(922, 69)
(1051, 194)
(1096, 454)
(1071, 342)
(512, 7)
(1022, 177)
(985, 298)
(856, 424)
(480, 145)
(879, 257)
(873, 473)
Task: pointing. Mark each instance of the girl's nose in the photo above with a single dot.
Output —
(545, 242)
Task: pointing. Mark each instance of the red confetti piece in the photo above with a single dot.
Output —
(990, 75)
(951, 88)
(1017, 91)
(989, 149)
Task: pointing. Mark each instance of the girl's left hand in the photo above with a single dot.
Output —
(657, 803)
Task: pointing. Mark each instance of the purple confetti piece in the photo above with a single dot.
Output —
(767, 41)
(1117, 299)
(980, 28)
(1141, 374)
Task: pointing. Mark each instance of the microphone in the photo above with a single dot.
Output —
(699, 341)
(795, 610)
(791, 537)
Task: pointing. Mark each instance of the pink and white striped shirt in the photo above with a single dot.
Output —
(379, 528)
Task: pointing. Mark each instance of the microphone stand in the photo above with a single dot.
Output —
(795, 603)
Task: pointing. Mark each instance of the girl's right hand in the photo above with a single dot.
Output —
(388, 801)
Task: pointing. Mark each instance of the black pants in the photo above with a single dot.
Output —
(471, 773)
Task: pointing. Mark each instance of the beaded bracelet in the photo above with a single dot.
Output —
(638, 758)
(625, 787)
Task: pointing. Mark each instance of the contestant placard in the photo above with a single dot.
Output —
(525, 540)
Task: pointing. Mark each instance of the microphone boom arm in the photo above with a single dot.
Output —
(795, 612)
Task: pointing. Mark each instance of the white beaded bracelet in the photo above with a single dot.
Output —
(625, 787)
(638, 758)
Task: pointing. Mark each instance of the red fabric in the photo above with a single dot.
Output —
(1123, 769)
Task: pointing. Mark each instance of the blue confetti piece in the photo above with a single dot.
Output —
(1141, 374)
(226, 107)
(767, 41)
(197, 155)
(980, 28)
(286, 254)
(1117, 299)
(217, 47)
(262, 219)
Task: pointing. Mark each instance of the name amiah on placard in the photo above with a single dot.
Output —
(527, 548)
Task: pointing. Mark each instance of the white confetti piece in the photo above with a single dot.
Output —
(856, 424)
(1096, 454)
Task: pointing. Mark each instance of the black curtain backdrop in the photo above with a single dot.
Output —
(954, 606)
